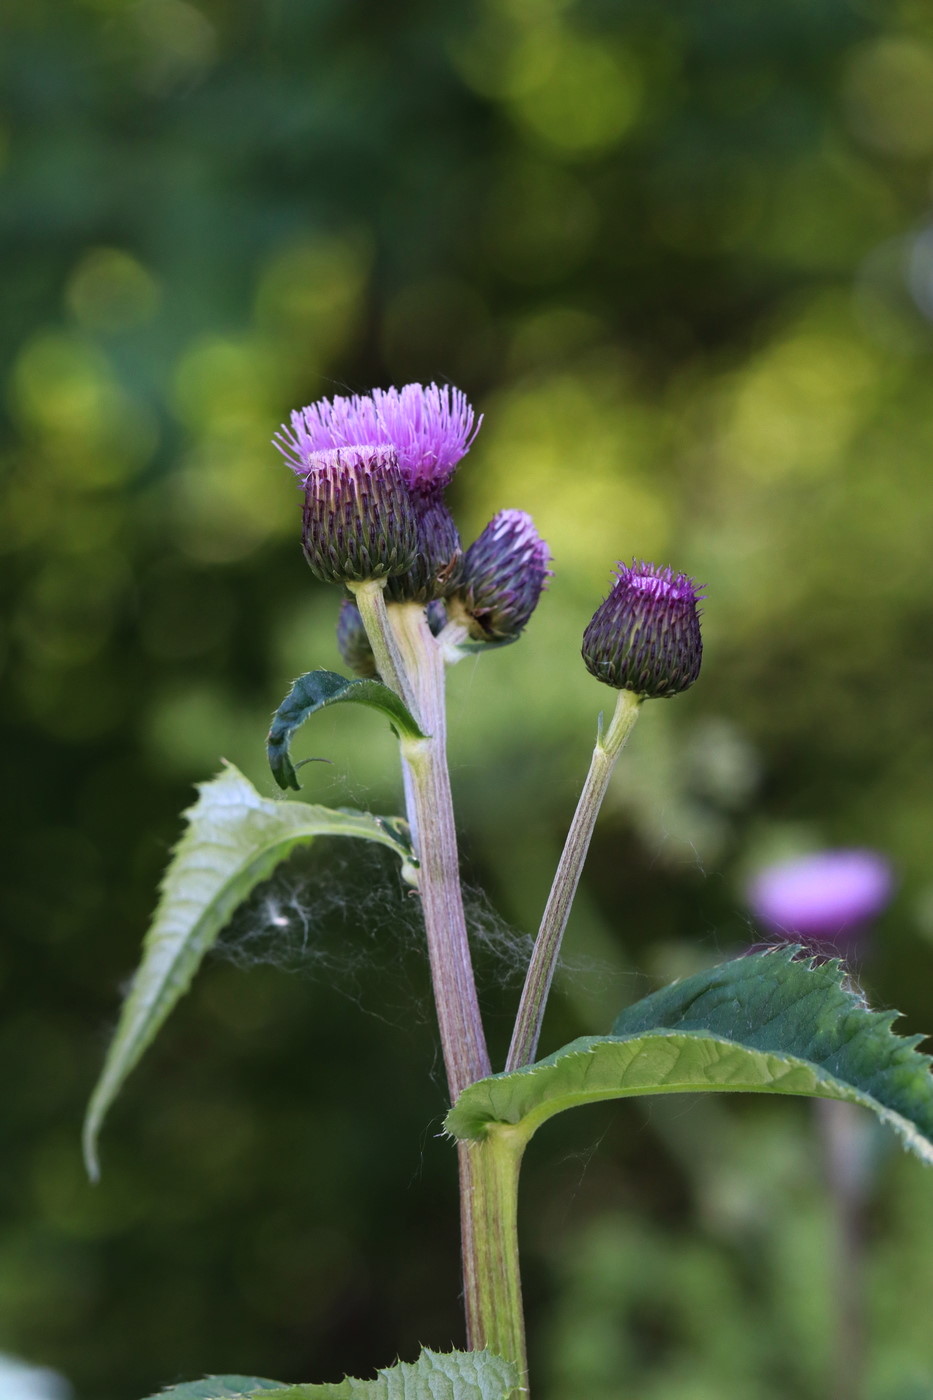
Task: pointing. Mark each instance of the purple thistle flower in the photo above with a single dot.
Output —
(358, 521)
(502, 577)
(431, 428)
(830, 895)
(645, 637)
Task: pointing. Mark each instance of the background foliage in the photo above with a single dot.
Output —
(679, 256)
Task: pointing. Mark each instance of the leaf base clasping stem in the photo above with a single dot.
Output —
(544, 957)
(492, 1286)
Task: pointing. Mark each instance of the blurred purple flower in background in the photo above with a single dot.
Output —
(830, 896)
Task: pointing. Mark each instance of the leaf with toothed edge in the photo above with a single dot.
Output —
(235, 838)
(456, 1375)
(315, 691)
(221, 1388)
(769, 1023)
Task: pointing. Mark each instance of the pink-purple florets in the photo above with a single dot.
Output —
(430, 426)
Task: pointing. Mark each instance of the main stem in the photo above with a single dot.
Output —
(463, 1041)
(492, 1285)
(546, 951)
(414, 666)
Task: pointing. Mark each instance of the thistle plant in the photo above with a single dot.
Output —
(373, 470)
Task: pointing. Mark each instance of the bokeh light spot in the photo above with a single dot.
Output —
(65, 393)
(312, 292)
(110, 290)
(577, 95)
(888, 93)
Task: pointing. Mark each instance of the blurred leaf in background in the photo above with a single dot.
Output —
(680, 256)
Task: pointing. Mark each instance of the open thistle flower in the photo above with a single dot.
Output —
(502, 576)
(358, 521)
(429, 428)
(830, 895)
(645, 637)
(353, 643)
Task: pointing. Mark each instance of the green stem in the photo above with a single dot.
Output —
(492, 1283)
(370, 599)
(544, 957)
(427, 787)
(414, 666)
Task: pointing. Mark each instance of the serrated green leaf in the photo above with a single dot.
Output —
(315, 691)
(235, 838)
(220, 1388)
(456, 1375)
(767, 1023)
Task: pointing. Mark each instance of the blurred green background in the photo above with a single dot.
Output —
(678, 255)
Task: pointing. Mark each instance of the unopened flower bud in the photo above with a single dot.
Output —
(645, 637)
(359, 522)
(502, 576)
(435, 570)
(353, 643)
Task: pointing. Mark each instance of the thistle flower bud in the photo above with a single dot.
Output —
(353, 643)
(358, 522)
(435, 570)
(645, 637)
(502, 577)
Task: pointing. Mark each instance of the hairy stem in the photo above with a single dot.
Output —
(431, 816)
(609, 745)
(492, 1284)
(370, 599)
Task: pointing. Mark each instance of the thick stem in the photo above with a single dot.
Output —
(370, 599)
(557, 910)
(431, 816)
(492, 1282)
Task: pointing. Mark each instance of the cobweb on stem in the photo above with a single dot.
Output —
(341, 914)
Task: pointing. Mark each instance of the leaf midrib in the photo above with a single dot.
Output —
(529, 1123)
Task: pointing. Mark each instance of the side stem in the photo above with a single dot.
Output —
(557, 910)
(492, 1282)
(431, 815)
(370, 599)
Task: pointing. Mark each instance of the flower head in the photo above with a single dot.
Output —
(431, 428)
(828, 895)
(645, 637)
(502, 576)
(434, 571)
(358, 521)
